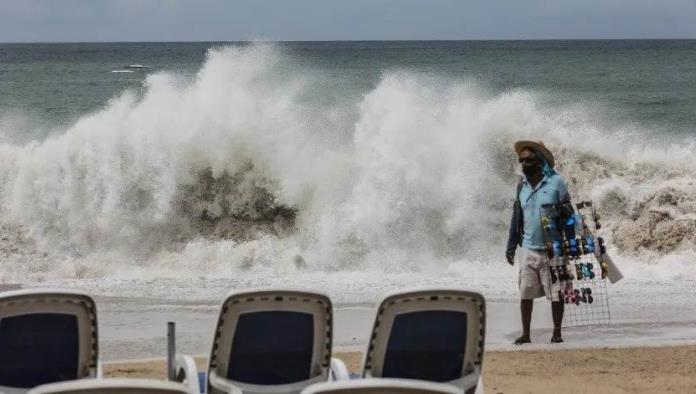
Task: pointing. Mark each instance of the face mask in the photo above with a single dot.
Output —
(531, 170)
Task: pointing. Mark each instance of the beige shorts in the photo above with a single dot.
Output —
(535, 278)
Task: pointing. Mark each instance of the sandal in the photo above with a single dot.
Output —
(556, 338)
(522, 340)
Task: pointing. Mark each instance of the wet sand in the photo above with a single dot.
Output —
(602, 370)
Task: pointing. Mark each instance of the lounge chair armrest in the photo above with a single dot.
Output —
(187, 373)
(479, 386)
(339, 371)
(471, 380)
(223, 384)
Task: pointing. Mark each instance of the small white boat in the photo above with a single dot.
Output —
(136, 66)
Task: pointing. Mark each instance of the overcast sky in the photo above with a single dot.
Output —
(223, 20)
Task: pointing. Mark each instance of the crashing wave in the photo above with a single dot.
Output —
(247, 165)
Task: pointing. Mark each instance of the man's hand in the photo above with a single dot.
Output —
(510, 259)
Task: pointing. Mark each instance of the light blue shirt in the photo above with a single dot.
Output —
(550, 190)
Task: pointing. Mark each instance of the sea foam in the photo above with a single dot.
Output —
(245, 168)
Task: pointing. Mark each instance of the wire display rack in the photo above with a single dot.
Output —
(582, 312)
(575, 274)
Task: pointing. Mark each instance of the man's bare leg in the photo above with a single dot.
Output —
(557, 313)
(526, 307)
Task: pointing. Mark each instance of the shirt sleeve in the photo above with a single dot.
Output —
(563, 194)
(515, 227)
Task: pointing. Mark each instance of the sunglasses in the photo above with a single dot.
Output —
(527, 160)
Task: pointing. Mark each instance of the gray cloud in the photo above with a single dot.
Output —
(179, 20)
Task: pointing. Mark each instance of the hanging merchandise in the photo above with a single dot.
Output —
(578, 263)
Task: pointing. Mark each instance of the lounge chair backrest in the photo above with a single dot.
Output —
(381, 386)
(271, 339)
(432, 335)
(112, 386)
(46, 336)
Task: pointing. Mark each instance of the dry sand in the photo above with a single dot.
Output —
(624, 370)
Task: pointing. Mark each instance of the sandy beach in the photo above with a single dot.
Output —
(605, 370)
(356, 169)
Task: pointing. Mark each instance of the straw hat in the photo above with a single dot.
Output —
(536, 146)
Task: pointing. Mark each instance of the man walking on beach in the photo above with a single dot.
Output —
(540, 185)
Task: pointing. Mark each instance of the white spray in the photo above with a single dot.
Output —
(415, 175)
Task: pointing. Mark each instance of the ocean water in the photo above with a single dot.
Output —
(332, 159)
(352, 168)
(648, 82)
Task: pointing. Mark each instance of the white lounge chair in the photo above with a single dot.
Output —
(269, 341)
(381, 386)
(430, 335)
(46, 336)
(112, 386)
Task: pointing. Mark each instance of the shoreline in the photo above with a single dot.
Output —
(631, 369)
(133, 325)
